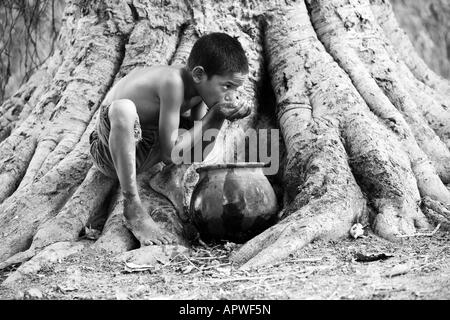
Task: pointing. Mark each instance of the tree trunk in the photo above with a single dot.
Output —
(426, 23)
(365, 123)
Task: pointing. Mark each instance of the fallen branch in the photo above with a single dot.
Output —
(418, 234)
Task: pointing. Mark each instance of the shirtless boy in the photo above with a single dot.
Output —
(139, 119)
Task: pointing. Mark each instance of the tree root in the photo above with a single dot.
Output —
(30, 206)
(26, 148)
(380, 167)
(67, 225)
(365, 39)
(160, 209)
(290, 235)
(330, 201)
(310, 179)
(428, 90)
(49, 255)
(86, 202)
(169, 182)
(56, 142)
(437, 212)
(381, 170)
(386, 18)
(429, 183)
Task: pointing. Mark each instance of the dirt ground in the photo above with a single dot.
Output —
(415, 268)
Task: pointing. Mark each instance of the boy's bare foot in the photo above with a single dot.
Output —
(169, 183)
(142, 225)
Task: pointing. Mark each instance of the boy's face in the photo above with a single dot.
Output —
(220, 88)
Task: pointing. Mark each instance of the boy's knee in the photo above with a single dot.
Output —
(122, 113)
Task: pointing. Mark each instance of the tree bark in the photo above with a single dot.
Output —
(426, 23)
(365, 124)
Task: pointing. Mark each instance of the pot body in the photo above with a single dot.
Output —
(233, 202)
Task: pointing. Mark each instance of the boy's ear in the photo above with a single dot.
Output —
(198, 73)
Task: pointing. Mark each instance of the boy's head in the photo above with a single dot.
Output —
(219, 66)
(218, 54)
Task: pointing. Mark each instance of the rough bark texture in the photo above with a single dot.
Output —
(365, 124)
(426, 22)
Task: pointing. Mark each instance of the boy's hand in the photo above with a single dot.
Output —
(231, 111)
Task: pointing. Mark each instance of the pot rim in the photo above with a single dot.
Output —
(232, 165)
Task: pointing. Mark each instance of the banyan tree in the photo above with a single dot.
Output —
(364, 125)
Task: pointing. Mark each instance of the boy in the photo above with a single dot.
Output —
(140, 116)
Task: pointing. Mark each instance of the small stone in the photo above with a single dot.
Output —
(357, 230)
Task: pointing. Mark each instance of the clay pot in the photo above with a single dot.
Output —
(233, 202)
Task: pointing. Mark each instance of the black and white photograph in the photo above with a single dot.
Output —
(224, 155)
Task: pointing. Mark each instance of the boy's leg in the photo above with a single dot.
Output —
(122, 116)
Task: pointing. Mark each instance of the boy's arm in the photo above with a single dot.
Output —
(171, 98)
(210, 118)
(199, 111)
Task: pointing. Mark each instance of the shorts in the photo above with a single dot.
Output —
(146, 141)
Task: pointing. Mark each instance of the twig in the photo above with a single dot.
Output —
(190, 262)
(429, 234)
(202, 243)
(209, 258)
(215, 266)
(306, 260)
(292, 261)
(239, 279)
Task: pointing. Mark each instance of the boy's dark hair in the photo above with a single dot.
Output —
(219, 54)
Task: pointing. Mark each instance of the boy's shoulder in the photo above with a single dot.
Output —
(162, 73)
(163, 77)
(170, 79)
(158, 73)
(172, 76)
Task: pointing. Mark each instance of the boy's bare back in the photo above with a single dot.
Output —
(143, 87)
